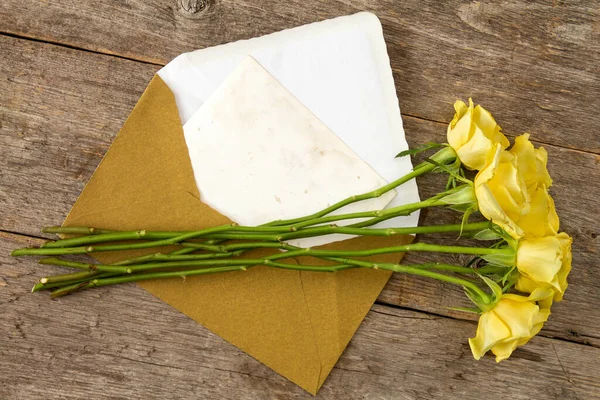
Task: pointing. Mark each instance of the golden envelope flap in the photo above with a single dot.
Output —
(297, 323)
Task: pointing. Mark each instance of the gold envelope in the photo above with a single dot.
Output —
(297, 323)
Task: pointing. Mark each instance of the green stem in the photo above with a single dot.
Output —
(74, 230)
(52, 285)
(347, 264)
(306, 232)
(393, 249)
(348, 230)
(98, 236)
(238, 230)
(45, 251)
(143, 234)
(182, 274)
(200, 260)
(411, 269)
(78, 277)
(403, 210)
(442, 156)
(63, 279)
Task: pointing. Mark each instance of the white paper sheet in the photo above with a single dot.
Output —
(260, 155)
(339, 69)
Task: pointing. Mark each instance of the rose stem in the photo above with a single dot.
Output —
(167, 238)
(293, 252)
(422, 270)
(441, 157)
(389, 213)
(182, 274)
(143, 234)
(444, 155)
(144, 245)
(330, 229)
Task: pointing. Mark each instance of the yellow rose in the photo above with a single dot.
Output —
(532, 162)
(501, 192)
(541, 219)
(544, 262)
(473, 134)
(510, 323)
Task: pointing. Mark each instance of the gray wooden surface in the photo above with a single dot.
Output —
(71, 71)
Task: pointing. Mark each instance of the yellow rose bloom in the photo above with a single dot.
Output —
(544, 262)
(510, 323)
(501, 192)
(541, 219)
(532, 162)
(473, 134)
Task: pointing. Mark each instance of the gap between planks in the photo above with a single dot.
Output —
(138, 60)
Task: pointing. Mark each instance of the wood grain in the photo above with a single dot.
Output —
(60, 119)
(534, 62)
(129, 345)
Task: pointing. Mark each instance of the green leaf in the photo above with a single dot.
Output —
(487, 234)
(510, 278)
(454, 170)
(420, 149)
(464, 195)
(460, 207)
(476, 299)
(500, 260)
(496, 289)
(466, 215)
(472, 261)
(508, 286)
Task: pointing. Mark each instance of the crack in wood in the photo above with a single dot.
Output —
(74, 47)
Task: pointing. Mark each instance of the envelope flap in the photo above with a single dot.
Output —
(140, 164)
(339, 302)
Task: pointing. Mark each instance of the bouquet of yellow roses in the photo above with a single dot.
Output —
(509, 189)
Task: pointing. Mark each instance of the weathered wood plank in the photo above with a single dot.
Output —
(122, 343)
(59, 119)
(534, 62)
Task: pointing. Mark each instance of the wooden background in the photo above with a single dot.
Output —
(71, 71)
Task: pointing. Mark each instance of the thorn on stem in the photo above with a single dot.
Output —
(89, 249)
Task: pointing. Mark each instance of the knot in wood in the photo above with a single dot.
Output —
(191, 7)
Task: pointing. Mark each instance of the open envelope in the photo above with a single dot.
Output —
(297, 323)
